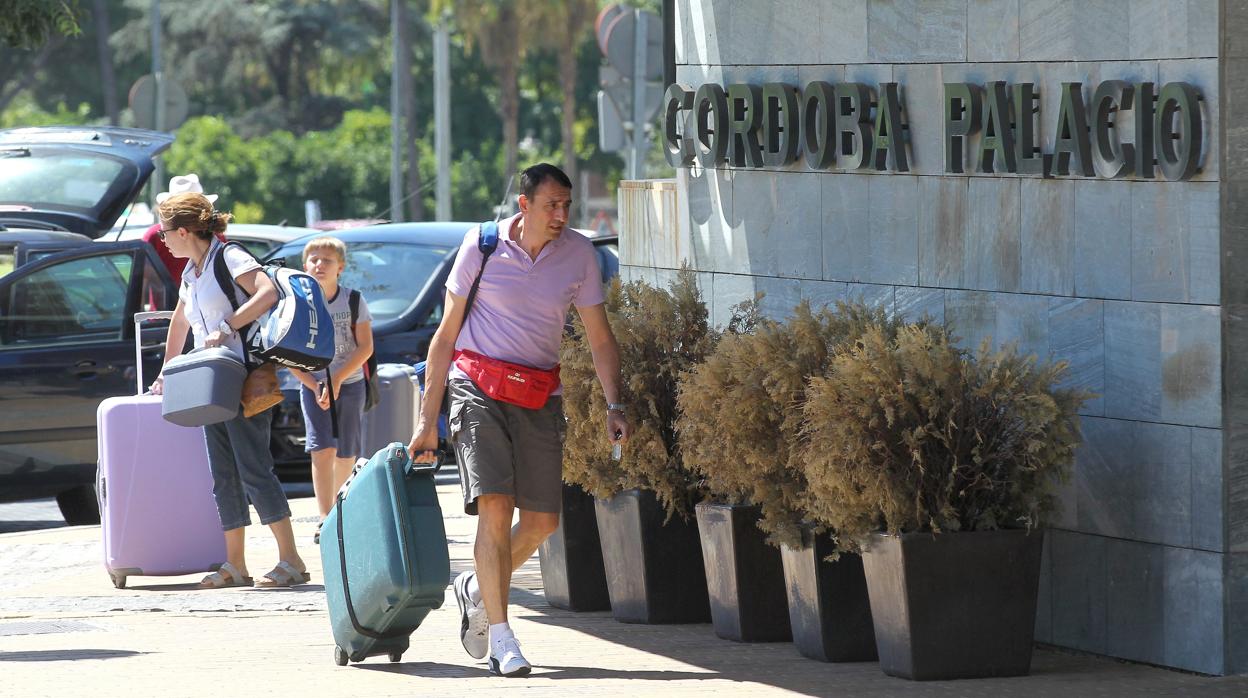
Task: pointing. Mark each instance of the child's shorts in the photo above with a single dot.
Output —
(320, 428)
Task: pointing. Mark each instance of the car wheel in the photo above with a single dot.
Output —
(79, 506)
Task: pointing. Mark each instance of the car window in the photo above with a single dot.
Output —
(435, 316)
(79, 299)
(57, 180)
(259, 248)
(390, 275)
(609, 260)
(8, 260)
(154, 293)
(36, 255)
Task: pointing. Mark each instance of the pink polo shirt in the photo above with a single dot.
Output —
(522, 304)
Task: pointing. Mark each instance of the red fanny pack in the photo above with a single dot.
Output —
(507, 382)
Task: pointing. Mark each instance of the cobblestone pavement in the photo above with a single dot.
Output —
(65, 631)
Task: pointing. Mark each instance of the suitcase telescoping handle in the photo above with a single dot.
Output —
(139, 319)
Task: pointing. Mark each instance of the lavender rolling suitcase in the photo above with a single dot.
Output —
(155, 488)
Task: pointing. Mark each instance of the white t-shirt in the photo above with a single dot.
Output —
(204, 303)
(344, 338)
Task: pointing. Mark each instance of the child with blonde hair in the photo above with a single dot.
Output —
(334, 456)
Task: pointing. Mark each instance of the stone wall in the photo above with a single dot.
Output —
(1126, 279)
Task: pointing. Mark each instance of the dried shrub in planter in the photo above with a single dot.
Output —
(741, 409)
(661, 333)
(915, 434)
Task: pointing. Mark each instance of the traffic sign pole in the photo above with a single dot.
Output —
(637, 163)
(159, 116)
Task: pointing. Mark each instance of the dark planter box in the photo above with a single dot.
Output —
(571, 558)
(744, 577)
(954, 605)
(654, 571)
(828, 604)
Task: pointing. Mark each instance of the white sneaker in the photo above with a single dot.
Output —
(506, 660)
(474, 628)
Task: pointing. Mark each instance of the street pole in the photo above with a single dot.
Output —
(396, 117)
(442, 117)
(637, 163)
(159, 77)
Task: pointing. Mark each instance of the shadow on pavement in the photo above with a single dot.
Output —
(194, 586)
(431, 670)
(20, 526)
(64, 655)
(776, 664)
(428, 670)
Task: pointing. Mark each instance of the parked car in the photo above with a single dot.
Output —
(67, 343)
(401, 269)
(75, 179)
(260, 239)
(66, 340)
(19, 247)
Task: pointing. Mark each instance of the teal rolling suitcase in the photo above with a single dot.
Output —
(384, 555)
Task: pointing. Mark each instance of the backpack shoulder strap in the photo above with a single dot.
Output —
(487, 242)
(353, 300)
(225, 280)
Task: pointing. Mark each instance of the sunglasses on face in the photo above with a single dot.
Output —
(165, 231)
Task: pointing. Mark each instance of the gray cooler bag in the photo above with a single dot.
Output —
(203, 387)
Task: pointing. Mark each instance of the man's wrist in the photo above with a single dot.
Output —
(615, 407)
(225, 328)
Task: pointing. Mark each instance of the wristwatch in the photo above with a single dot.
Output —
(615, 407)
(225, 328)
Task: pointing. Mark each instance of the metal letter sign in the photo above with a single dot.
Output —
(889, 130)
(1072, 132)
(1178, 152)
(781, 127)
(1111, 158)
(850, 126)
(678, 100)
(745, 106)
(1027, 156)
(996, 146)
(1145, 98)
(961, 120)
(819, 125)
(853, 124)
(710, 115)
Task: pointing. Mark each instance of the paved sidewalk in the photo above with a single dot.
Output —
(65, 631)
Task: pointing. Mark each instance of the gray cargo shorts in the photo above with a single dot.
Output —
(506, 449)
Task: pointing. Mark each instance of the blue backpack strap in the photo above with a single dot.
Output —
(487, 242)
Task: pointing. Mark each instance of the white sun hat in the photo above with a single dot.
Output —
(182, 184)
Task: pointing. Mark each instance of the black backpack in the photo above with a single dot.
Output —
(372, 393)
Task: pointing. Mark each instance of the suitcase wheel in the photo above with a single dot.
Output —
(340, 656)
(119, 580)
(396, 656)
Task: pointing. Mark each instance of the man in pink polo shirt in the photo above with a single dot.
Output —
(511, 456)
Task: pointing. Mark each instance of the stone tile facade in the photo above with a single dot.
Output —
(1135, 282)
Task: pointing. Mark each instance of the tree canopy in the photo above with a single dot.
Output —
(290, 99)
(28, 24)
